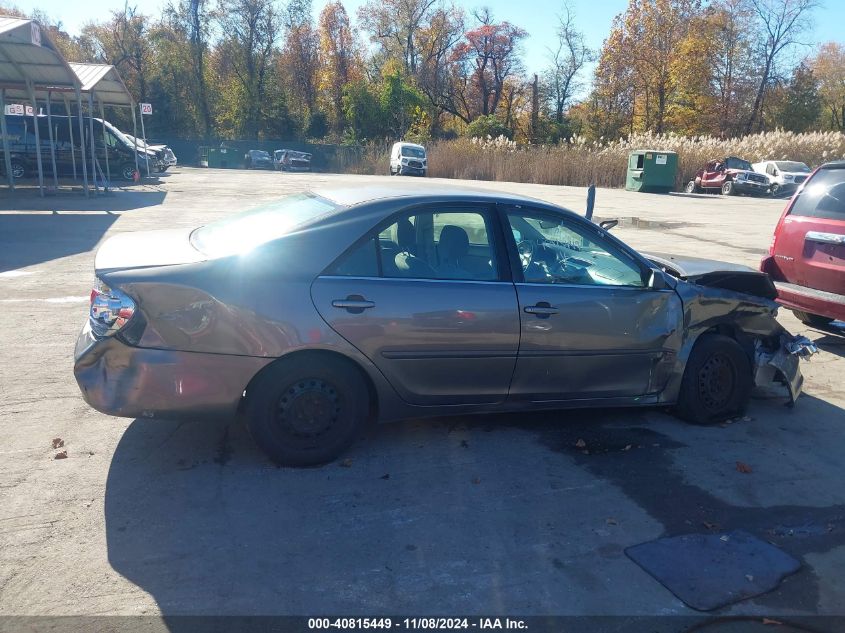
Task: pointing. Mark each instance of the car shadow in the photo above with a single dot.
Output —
(126, 198)
(28, 239)
(495, 513)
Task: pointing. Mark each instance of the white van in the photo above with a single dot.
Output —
(784, 175)
(408, 159)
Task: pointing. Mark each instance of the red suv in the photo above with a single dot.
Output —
(807, 257)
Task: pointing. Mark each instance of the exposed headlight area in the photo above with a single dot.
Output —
(110, 311)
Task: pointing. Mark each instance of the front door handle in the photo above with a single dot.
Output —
(542, 310)
(355, 304)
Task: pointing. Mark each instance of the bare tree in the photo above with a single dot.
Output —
(568, 59)
(782, 25)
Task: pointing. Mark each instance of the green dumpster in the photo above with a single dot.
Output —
(651, 170)
(220, 157)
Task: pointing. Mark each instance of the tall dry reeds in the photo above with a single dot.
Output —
(580, 162)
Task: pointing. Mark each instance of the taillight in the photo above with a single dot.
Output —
(110, 310)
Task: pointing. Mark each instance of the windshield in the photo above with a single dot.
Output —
(738, 163)
(791, 165)
(244, 231)
(117, 133)
(413, 152)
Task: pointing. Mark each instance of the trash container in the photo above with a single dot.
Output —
(220, 157)
(651, 170)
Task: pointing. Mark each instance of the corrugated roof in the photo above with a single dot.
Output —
(104, 81)
(26, 53)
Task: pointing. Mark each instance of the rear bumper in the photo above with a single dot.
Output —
(795, 297)
(121, 380)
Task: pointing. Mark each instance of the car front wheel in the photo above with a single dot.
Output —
(127, 171)
(815, 320)
(18, 169)
(691, 188)
(717, 381)
(728, 188)
(306, 412)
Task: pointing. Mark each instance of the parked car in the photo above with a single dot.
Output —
(731, 176)
(258, 159)
(408, 159)
(169, 158)
(807, 257)
(68, 149)
(291, 160)
(315, 313)
(784, 175)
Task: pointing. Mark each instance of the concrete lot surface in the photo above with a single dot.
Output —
(495, 514)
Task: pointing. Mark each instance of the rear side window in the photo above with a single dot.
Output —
(823, 196)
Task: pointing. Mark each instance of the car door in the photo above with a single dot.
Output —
(593, 325)
(810, 245)
(712, 177)
(426, 299)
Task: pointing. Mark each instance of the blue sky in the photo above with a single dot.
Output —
(538, 17)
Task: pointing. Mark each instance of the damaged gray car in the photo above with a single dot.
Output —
(316, 314)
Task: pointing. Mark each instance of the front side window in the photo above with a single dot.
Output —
(555, 251)
(823, 196)
(444, 244)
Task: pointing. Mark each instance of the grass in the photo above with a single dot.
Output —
(604, 163)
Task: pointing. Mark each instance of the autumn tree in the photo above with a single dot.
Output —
(796, 104)
(396, 25)
(782, 25)
(568, 57)
(339, 58)
(489, 55)
(829, 69)
(299, 60)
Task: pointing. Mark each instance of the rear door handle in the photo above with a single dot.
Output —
(825, 238)
(355, 304)
(543, 310)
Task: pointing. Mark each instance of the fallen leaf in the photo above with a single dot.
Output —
(611, 521)
(743, 468)
(769, 621)
(749, 577)
(710, 526)
(346, 463)
(385, 476)
(476, 480)
(747, 418)
(62, 455)
(580, 444)
(628, 447)
(58, 442)
(725, 538)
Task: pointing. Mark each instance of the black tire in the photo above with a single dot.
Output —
(127, 171)
(307, 411)
(774, 190)
(717, 381)
(691, 188)
(18, 169)
(728, 188)
(815, 320)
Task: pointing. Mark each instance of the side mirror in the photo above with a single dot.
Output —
(657, 281)
(608, 224)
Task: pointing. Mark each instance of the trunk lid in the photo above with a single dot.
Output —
(146, 249)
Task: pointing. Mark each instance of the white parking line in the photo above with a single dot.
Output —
(8, 274)
(48, 300)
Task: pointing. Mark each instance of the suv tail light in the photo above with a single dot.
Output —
(110, 310)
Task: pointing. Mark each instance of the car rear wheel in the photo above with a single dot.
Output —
(728, 188)
(18, 169)
(717, 381)
(308, 411)
(815, 320)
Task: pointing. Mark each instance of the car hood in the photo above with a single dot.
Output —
(145, 249)
(716, 274)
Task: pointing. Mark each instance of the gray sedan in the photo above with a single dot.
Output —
(315, 314)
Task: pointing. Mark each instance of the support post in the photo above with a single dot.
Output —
(144, 135)
(52, 142)
(37, 138)
(81, 138)
(91, 139)
(105, 141)
(70, 133)
(135, 136)
(7, 157)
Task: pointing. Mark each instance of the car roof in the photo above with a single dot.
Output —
(419, 192)
(407, 144)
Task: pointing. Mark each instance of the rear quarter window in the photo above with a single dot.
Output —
(823, 196)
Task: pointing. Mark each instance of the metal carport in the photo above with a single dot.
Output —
(30, 63)
(103, 83)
